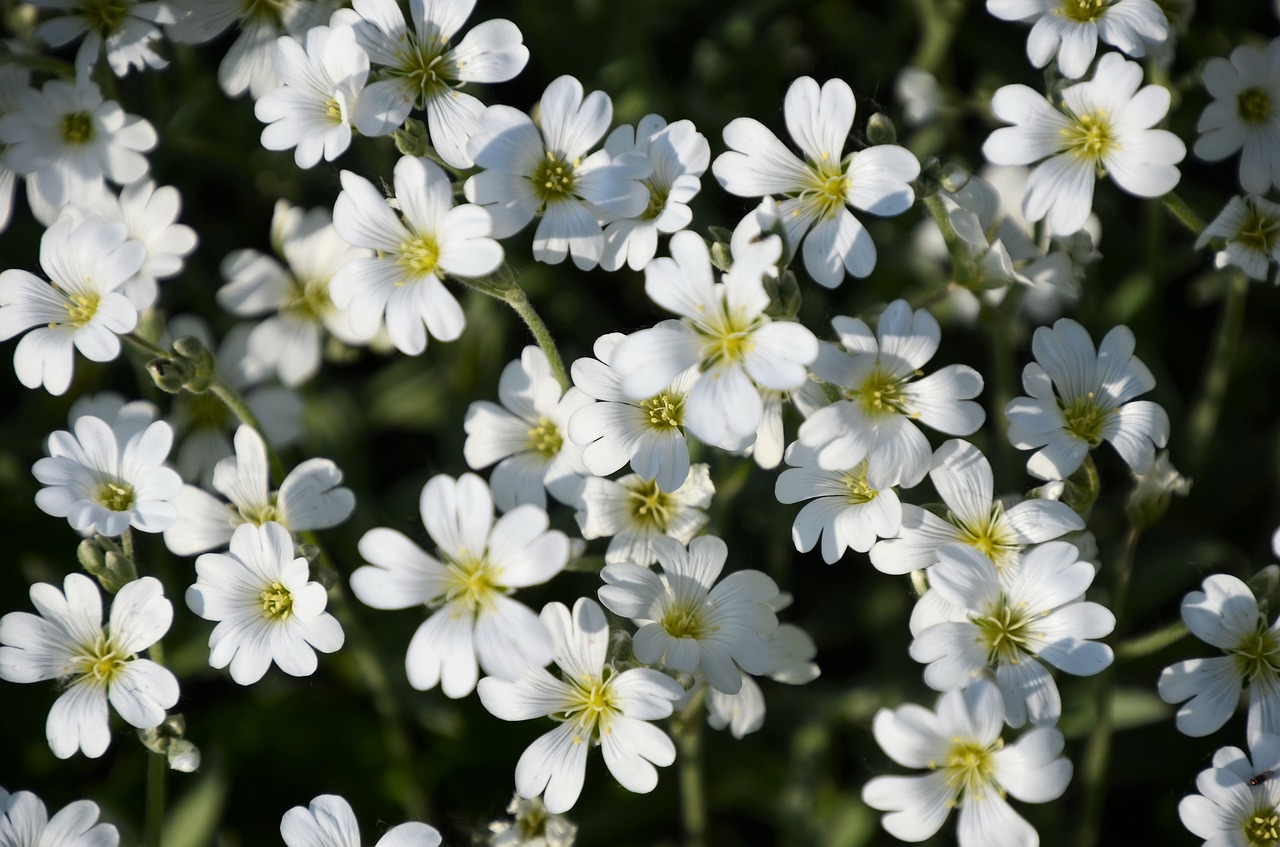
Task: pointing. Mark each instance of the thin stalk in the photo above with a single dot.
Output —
(1183, 213)
(157, 772)
(693, 795)
(1095, 764)
(1152, 642)
(146, 346)
(233, 401)
(1203, 420)
(938, 19)
(502, 285)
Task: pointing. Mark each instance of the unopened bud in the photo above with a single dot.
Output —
(953, 177)
(721, 256)
(183, 756)
(411, 140)
(880, 129)
(167, 374)
(1150, 498)
(105, 562)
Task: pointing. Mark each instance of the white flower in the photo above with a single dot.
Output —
(962, 476)
(533, 826)
(309, 498)
(1080, 397)
(918, 92)
(970, 767)
(479, 562)
(14, 80)
(689, 622)
(845, 511)
(248, 65)
(1251, 227)
(266, 608)
(403, 282)
(150, 217)
(1071, 28)
(819, 189)
(726, 334)
(1239, 799)
(423, 67)
(647, 433)
(679, 155)
(883, 399)
(595, 708)
(289, 343)
(770, 444)
(1105, 128)
(1226, 616)
(547, 170)
(104, 480)
(68, 140)
(329, 822)
(67, 642)
(320, 81)
(25, 823)
(526, 435)
(635, 511)
(79, 307)
(126, 27)
(1010, 623)
(1244, 115)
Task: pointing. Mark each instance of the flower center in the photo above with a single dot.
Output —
(855, 481)
(418, 256)
(665, 411)
(686, 618)
(970, 766)
(1089, 137)
(650, 505)
(77, 128)
(1258, 653)
(990, 536)
(310, 300)
(554, 179)
(1262, 828)
(256, 514)
(1083, 10)
(333, 110)
(103, 661)
(423, 66)
(592, 705)
(545, 438)
(473, 581)
(826, 187)
(277, 602)
(1085, 419)
(1257, 231)
(264, 9)
(81, 308)
(116, 496)
(104, 16)
(657, 202)
(882, 394)
(1253, 105)
(726, 337)
(1005, 631)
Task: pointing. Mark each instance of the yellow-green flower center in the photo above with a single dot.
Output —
(1254, 105)
(309, 299)
(1090, 137)
(990, 536)
(1005, 631)
(665, 410)
(545, 438)
(116, 496)
(103, 660)
(1085, 418)
(686, 619)
(104, 16)
(554, 178)
(81, 308)
(277, 601)
(256, 514)
(592, 705)
(657, 202)
(1262, 828)
(969, 766)
(826, 186)
(882, 394)
(1083, 11)
(650, 505)
(1258, 231)
(1258, 653)
(727, 337)
(418, 256)
(77, 128)
(855, 481)
(268, 10)
(333, 110)
(473, 580)
(424, 67)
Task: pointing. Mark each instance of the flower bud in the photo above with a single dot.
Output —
(183, 756)
(1150, 497)
(880, 129)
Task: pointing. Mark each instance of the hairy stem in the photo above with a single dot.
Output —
(157, 772)
(502, 285)
(693, 795)
(1183, 213)
(1203, 420)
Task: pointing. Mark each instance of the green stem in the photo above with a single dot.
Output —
(963, 268)
(693, 795)
(502, 285)
(1152, 642)
(146, 346)
(1203, 420)
(1097, 752)
(233, 401)
(157, 772)
(126, 544)
(1183, 213)
(938, 19)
